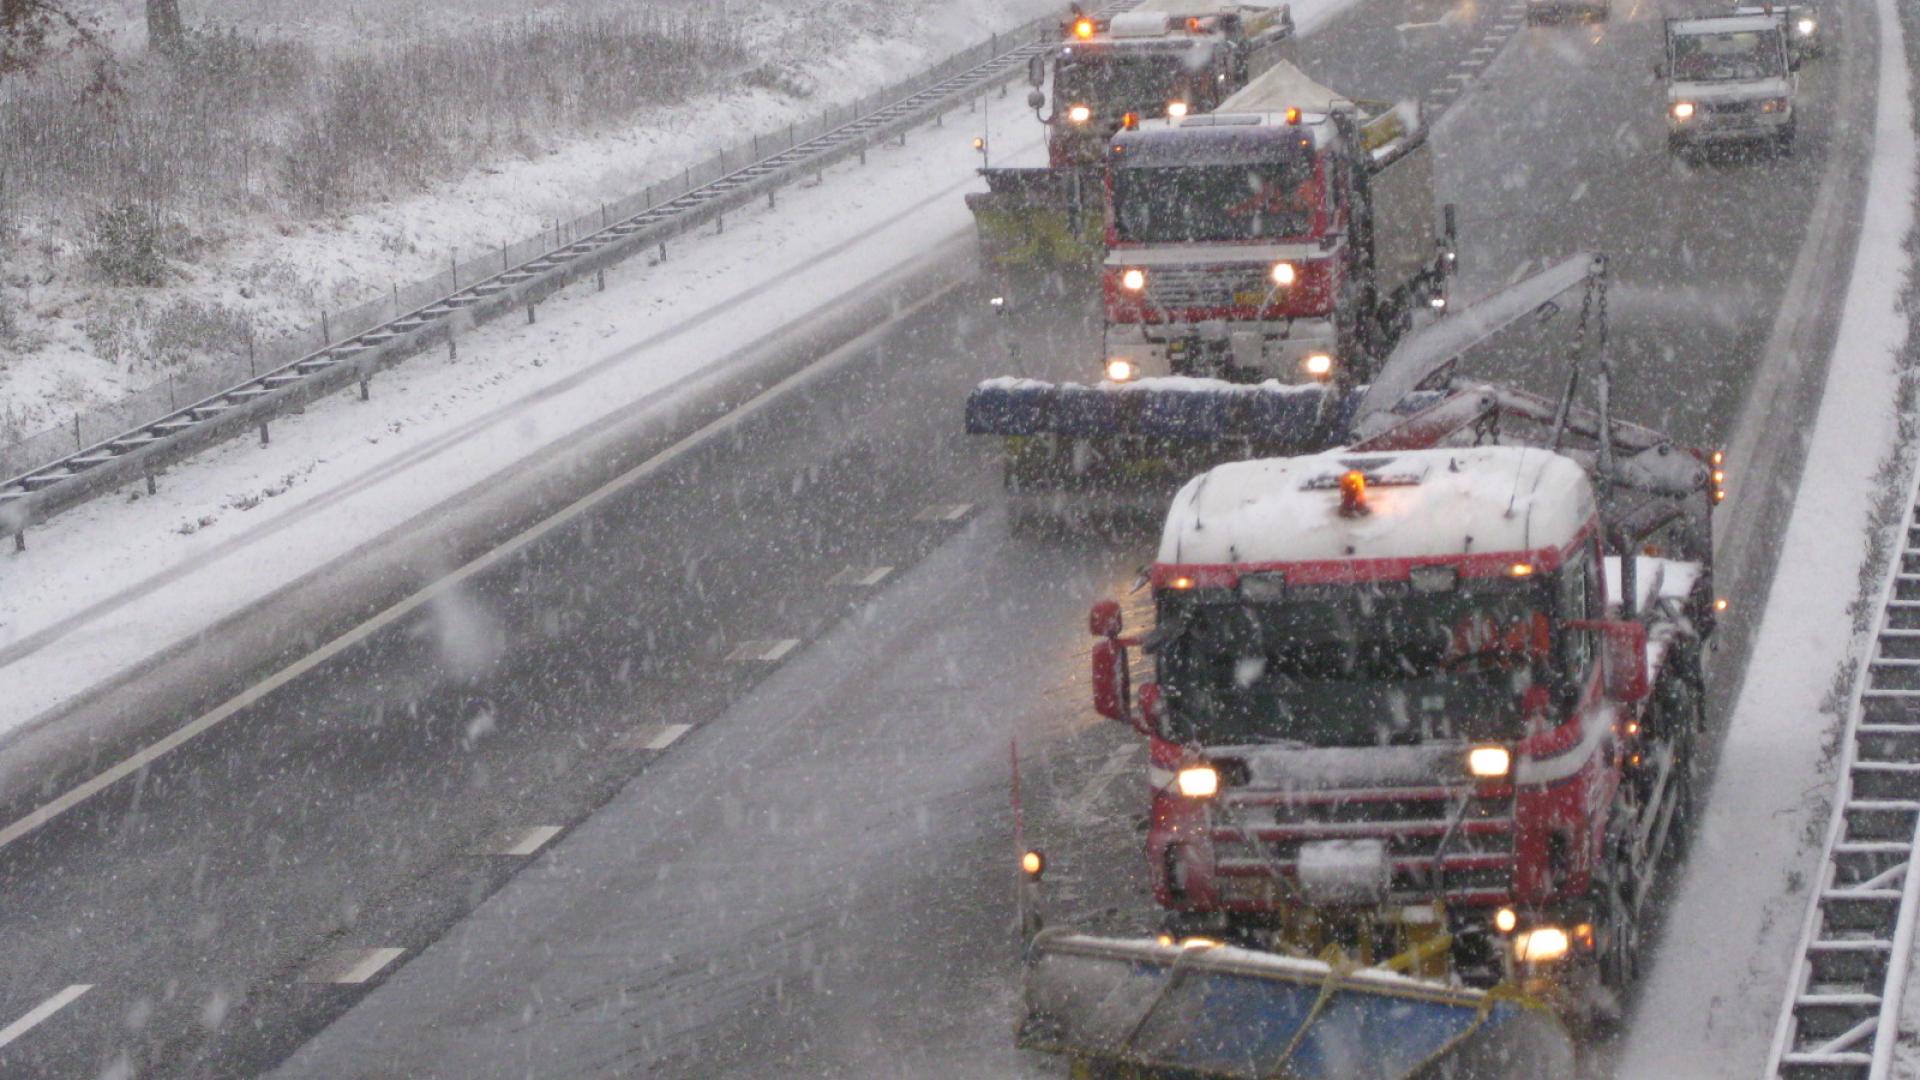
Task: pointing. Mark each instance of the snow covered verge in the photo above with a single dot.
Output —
(1717, 987)
(220, 214)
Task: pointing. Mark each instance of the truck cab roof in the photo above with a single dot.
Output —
(1434, 505)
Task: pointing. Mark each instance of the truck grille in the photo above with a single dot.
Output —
(1729, 108)
(1260, 836)
(1178, 287)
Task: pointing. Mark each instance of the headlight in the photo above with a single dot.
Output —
(1318, 365)
(1489, 762)
(1774, 105)
(1177, 109)
(1120, 370)
(1540, 945)
(1133, 280)
(1505, 920)
(1284, 273)
(1683, 110)
(1805, 26)
(1198, 782)
(1079, 114)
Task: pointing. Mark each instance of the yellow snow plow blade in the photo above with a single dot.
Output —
(1136, 1008)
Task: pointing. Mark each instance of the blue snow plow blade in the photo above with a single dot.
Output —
(1182, 410)
(1141, 1009)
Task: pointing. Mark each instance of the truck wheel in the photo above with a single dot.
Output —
(1783, 143)
(1620, 959)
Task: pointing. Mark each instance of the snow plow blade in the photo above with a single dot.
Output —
(1125, 1008)
(1039, 217)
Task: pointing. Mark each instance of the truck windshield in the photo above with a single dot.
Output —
(1111, 85)
(1713, 57)
(1200, 203)
(1376, 664)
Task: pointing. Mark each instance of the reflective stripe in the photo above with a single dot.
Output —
(1598, 733)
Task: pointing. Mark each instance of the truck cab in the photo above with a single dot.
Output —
(1288, 235)
(1164, 58)
(1399, 702)
(1729, 78)
(1805, 30)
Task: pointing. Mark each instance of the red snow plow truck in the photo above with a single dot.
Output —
(1162, 58)
(1422, 731)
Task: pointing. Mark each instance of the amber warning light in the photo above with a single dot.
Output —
(1083, 28)
(1353, 493)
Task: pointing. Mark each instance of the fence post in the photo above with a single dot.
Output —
(252, 370)
(453, 267)
(263, 433)
(326, 336)
(77, 444)
(600, 277)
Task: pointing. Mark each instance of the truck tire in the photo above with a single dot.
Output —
(1783, 142)
(1620, 956)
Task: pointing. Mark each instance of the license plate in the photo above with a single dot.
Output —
(1249, 299)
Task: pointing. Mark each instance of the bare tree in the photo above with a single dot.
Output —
(164, 30)
(32, 30)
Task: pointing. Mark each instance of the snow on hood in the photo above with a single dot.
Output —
(1422, 503)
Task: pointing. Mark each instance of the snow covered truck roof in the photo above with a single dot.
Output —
(1419, 504)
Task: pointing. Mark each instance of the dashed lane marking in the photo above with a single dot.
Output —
(647, 469)
(864, 577)
(39, 1013)
(656, 737)
(944, 512)
(1462, 76)
(1474, 61)
(520, 842)
(351, 967)
(765, 651)
(1483, 50)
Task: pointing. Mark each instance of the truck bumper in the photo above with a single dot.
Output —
(1708, 130)
(1235, 351)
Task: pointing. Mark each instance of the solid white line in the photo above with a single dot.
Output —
(521, 841)
(41, 1011)
(760, 402)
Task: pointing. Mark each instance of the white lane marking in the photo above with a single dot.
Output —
(520, 842)
(1463, 76)
(1482, 50)
(351, 967)
(40, 1012)
(944, 512)
(1473, 61)
(766, 651)
(658, 737)
(1406, 26)
(861, 576)
(755, 405)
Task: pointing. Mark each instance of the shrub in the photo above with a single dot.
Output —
(123, 245)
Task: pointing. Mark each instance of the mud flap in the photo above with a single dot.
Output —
(1141, 1009)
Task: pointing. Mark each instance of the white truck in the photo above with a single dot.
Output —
(1729, 79)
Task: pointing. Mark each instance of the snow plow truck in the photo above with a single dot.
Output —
(1161, 58)
(1421, 743)
(1261, 264)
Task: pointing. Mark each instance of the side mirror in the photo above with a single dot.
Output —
(1112, 692)
(1036, 100)
(1659, 71)
(1626, 658)
(1104, 620)
(1036, 69)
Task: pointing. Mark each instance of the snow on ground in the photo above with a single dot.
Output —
(1712, 999)
(281, 272)
(237, 523)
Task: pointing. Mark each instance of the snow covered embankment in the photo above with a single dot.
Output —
(1713, 997)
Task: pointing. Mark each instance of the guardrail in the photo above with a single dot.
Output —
(1842, 1013)
(590, 245)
